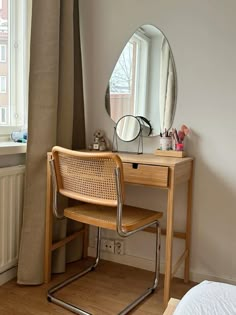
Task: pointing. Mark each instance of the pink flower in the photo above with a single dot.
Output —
(185, 130)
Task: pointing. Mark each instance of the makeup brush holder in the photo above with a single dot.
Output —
(179, 147)
(165, 143)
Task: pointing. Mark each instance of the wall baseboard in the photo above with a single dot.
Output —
(148, 264)
(8, 275)
(199, 277)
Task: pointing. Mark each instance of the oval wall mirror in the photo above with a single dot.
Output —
(143, 82)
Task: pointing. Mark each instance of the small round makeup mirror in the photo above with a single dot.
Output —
(128, 128)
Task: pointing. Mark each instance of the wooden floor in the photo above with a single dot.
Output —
(104, 291)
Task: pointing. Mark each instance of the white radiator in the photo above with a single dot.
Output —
(11, 202)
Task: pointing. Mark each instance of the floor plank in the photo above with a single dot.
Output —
(104, 291)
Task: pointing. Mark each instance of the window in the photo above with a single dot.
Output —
(3, 53)
(13, 65)
(3, 115)
(128, 82)
(3, 84)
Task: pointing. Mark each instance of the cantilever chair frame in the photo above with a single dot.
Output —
(123, 233)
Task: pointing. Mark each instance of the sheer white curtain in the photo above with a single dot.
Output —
(167, 87)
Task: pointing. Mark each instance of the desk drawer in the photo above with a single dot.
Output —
(143, 174)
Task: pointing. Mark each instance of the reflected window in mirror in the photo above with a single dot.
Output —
(143, 82)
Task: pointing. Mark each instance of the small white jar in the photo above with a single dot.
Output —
(165, 143)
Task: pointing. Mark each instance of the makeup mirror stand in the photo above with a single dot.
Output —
(115, 147)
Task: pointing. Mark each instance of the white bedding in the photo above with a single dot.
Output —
(208, 298)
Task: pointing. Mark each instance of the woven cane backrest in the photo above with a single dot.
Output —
(88, 177)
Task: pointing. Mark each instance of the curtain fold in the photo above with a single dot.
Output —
(167, 87)
(56, 117)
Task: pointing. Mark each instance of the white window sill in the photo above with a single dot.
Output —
(10, 147)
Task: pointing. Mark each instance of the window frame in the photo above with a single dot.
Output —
(142, 71)
(5, 53)
(3, 88)
(17, 54)
(6, 114)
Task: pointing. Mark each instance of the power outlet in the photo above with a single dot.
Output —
(119, 247)
(108, 245)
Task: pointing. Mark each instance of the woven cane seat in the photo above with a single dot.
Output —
(106, 217)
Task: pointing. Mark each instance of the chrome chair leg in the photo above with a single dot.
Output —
(66, 305)
(156, 277)
(128, 308)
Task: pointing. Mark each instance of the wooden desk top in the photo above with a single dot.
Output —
(148, 158)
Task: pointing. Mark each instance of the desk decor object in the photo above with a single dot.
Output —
(171, 153)
(172, 142)
(166, 143)
(129, 128)
(100, 142)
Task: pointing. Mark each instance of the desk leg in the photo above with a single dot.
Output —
(188, 227)
(169, 239)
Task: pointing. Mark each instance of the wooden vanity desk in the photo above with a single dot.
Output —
(154, 171)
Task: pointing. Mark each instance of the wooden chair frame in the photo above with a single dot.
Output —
(118, 203)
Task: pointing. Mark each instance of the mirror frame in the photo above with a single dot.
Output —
(140, 128)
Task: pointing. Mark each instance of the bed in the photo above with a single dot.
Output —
(172, 304)
(206, 298)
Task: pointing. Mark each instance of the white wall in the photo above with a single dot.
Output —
(202, 37)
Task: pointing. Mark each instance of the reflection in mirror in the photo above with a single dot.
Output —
(146, 127)
(128, 128)
(143, 82)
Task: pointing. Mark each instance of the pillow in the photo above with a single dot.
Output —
(208, 298)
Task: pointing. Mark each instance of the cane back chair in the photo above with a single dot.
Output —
(96, 179)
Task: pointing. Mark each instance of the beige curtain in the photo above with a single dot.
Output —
(167, 87)
(56, 116)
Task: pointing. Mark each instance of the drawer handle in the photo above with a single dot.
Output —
(135, 166)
